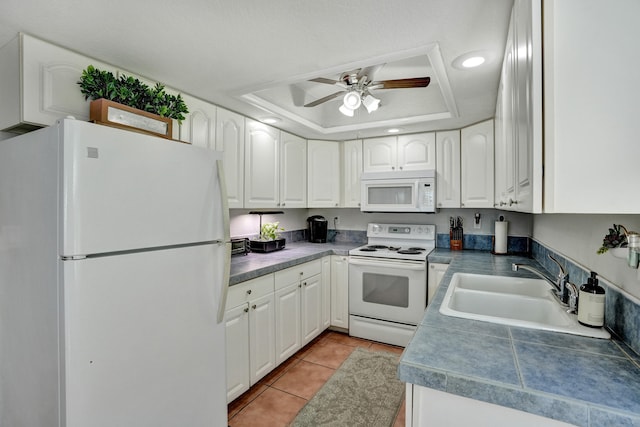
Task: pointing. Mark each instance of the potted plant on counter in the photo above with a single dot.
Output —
(269, 240)
(615, 242)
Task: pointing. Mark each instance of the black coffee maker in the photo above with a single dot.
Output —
(317, 229)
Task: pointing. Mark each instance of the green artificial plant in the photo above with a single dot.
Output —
(616, 238)
(270, 231)
(129, 91)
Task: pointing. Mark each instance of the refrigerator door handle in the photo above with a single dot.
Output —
(226, 241)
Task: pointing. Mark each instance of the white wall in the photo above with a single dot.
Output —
(353, 219)
(578, 237)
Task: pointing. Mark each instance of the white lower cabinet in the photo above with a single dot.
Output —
(250, 334)
(288, 325)
(237, 332)
(340, 291)
(262, 355)
(299, 302)
(271, 317)
(435, 274)
(429, 407)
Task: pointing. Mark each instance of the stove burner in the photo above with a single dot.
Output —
(368, 249)
(416, 248)
(410, 252)
(374, 247)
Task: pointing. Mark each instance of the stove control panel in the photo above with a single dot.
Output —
(405, 231)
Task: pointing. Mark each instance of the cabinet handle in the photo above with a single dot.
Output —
(299, 286)
(246, 309)
(393, 168)
(248, 291)
(400, 168)
(283, 204)
(304, 283)
(254, 306)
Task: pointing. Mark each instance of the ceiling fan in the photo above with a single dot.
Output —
(356, 86)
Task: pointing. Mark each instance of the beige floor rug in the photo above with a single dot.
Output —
(364, 391)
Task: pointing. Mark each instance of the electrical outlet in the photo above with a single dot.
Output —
(477, 224)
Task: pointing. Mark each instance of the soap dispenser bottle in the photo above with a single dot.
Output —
(591, 303)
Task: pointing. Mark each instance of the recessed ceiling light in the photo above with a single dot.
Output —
(394, 130)
(270, 120)
(474, 61)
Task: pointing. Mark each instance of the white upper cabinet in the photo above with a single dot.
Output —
(404, 152)
(417, 151)
(199, 125)
(352, 169)
(518, 151)
(324, 174)
(39, 84)
(591, 97)
(230, 140)
(293, 171)
(448, 169)
(477, 165)
(261, 172)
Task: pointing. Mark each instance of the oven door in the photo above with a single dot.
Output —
(392, 290)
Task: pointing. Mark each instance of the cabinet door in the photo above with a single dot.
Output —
(44, 83)
(262, 352)
(311, 308)
(352, 167)
(417, 151)
(199, 125)
(293, 171)
(324, 174)
(288, 322)
(261, 165)
(379, 154)
(340, 291)
(436, 272)
(230, 140)
(237, 350)
(448, 169)
(477, 165)
(326, 292)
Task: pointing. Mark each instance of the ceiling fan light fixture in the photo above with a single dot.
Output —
(371, 103)
(352, 100)
(346, 111)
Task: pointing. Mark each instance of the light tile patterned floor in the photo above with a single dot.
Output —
(277, 398)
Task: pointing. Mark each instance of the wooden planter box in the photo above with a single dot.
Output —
(113, 114)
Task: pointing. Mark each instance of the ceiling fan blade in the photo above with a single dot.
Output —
(325, 81)
(401, 83)
(325, 99)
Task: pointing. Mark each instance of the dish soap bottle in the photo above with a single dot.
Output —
(591, 303)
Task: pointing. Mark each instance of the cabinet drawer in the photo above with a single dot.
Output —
(291, 275)
(250, 290)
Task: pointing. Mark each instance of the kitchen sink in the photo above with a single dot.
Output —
(514, 301)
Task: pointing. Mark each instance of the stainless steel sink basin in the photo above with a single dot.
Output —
(514, 301)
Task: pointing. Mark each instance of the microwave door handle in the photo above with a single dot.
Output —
(387, 263)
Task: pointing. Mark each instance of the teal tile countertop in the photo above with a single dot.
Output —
(582, 381)
(246, 267)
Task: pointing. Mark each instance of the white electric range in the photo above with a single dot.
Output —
(388, 282)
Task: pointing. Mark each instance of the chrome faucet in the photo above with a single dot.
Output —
(560, 285)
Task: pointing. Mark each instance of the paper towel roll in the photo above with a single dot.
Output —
(500, 239)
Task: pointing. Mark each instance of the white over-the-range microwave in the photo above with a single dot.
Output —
(398, 191)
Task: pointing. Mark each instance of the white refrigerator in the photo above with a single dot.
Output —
(114, 267)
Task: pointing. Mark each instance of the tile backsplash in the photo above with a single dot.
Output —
(622, 315)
